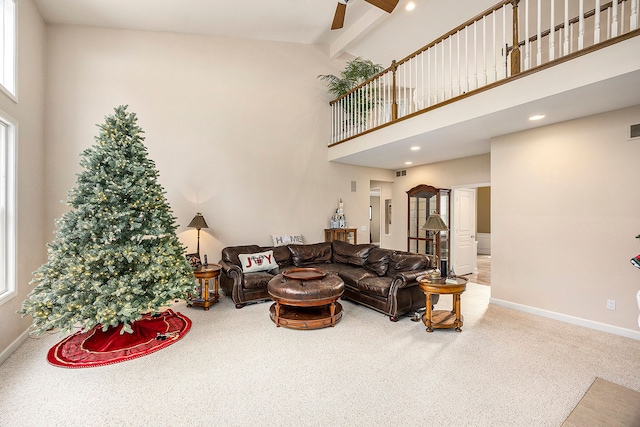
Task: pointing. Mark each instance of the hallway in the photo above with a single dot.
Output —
(483, 274)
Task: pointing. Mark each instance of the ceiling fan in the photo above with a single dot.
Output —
(338, 18)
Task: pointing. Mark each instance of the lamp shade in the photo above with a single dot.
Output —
(435, 223)
(198, 222)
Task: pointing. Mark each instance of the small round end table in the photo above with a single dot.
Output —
(442, 319)
(204, 275)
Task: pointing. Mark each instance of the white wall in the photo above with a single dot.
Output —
(238, 129)
(565, 213)
(29, 114)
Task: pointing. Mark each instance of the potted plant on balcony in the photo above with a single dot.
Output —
(355, 72)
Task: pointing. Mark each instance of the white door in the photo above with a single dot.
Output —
(464, 254)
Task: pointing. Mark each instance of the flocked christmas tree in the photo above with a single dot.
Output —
(116, 255)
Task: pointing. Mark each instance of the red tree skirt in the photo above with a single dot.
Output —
(96, 348)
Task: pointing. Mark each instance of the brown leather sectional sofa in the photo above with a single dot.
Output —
(381, 279)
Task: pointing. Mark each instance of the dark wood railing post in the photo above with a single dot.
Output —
(394, 102)
(515, 52)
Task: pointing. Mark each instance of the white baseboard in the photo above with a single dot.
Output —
(13, 346)
(569, 319)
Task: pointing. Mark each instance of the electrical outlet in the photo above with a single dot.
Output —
(611, 304)
(363, 228)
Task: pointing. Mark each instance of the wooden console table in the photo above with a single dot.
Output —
(204, 275)
(342, 234)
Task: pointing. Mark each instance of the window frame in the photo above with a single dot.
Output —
(8, 218)
(9, 48)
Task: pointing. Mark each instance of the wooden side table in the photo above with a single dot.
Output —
(204, 275)
(342, 234)
(442, 319)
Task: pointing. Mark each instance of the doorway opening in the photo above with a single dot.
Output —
(374, 216)
(471, 231)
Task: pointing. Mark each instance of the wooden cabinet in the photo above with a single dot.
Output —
(424, 200)
(349, 235)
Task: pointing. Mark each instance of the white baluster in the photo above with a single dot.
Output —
(390, 96)
(484, 50)
(552, 33)
(614, 20)
(354, 109)
(435, 73)
(336, 124)
(450, 38)
(443, 87)
(539, 34)
(633, 16)
(430, 81)
(495, 48)
(361, 111)
(581, 25)
(596, 23)
(466, 59)
(417, 84)
(416, 98)
(504, 41)
(621, 20)
(458, 61)
(475, 55)
(404, 85)
(422, 103)
(566, 27)
(571, 38)
(378, 86)
(340, 113)
(527, 46)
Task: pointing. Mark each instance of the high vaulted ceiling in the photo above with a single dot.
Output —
(368, 31)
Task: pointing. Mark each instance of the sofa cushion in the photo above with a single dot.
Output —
(378, 260)
(334, 268)
(375, 286)
(346, 253)
(406, 261)
(256, 280)
(258, 261)
(352, 276)
(305, 255)
(281, 253)
(230, 254)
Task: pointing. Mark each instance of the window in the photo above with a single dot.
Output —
(8, 46)
(7, 209)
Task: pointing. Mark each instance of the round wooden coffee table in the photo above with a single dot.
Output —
(305, 299)
(442, 319)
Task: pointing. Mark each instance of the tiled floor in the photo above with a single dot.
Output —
(483, 275)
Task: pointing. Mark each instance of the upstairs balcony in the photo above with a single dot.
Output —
(564, 58)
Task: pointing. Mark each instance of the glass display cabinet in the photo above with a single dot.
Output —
(423, 201)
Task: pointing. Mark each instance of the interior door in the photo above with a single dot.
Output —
(464, 231)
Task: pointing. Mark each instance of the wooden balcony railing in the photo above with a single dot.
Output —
(506, 40)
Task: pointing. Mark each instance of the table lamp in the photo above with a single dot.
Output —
(198, 222)
(436, 224)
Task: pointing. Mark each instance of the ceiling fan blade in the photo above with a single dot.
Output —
(386, 5)
(338, 18)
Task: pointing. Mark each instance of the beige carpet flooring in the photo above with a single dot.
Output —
(235, 368)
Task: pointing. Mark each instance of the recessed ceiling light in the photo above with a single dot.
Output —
(415, 148)
(410, 6)
(536, 117)
(408, 163)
